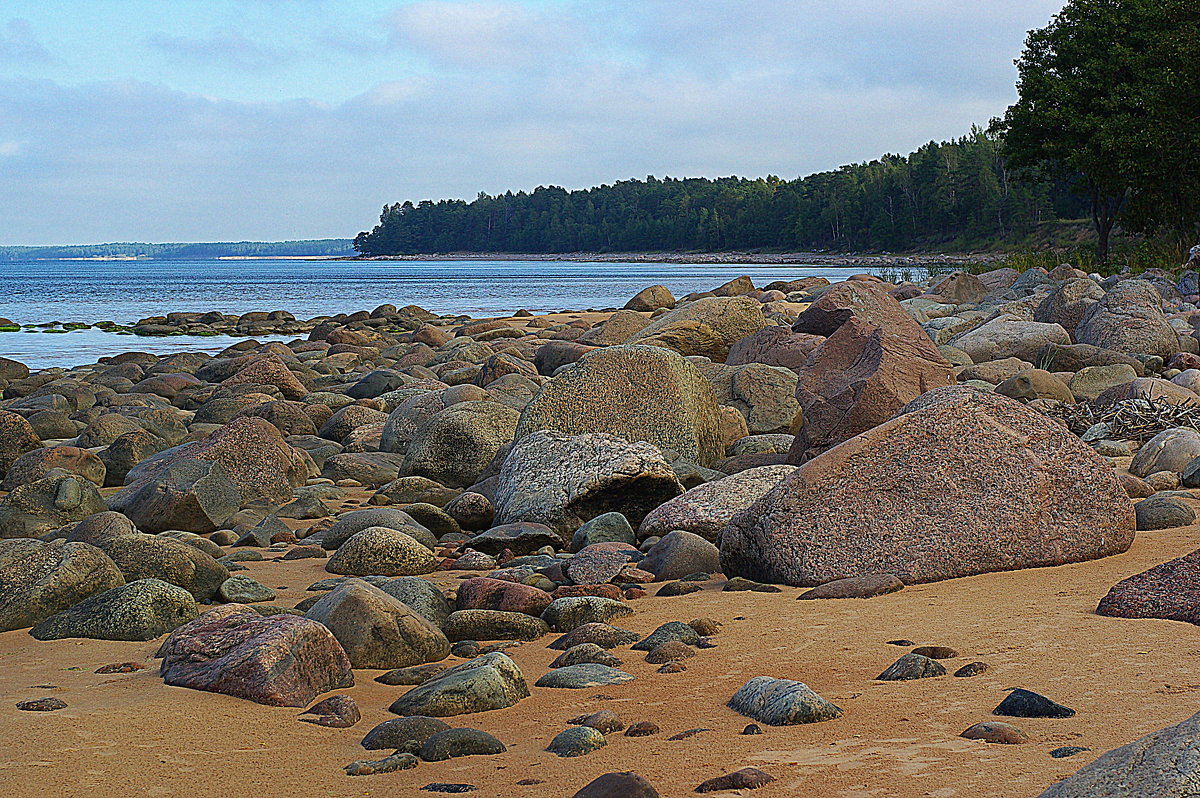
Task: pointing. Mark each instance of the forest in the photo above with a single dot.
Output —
(957, 195)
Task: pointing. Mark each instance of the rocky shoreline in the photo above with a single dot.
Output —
(506, 539)
(877, 261)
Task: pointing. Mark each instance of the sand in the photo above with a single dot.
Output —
(128, 734)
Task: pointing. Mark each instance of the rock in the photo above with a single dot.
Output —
(774, 346)
(348, 524)
(381, 551)
(1170, 591)
(708, 326)
(671, 651)
(389, 764)
(936, 652)
(585, 653)
(403, 734)
(1068, 303)
(346, 420)
(604, 721)
(1091, 381)
(867, 586)
(616, 329)
(637, 393)
(38, 579)
(190, 495)
(49, 704)
(459, 742)
(764, 395)
(1169, 450)
(1159, 764)
(611, 527)
(1022, 703)
(370, 469)
(1067, 750)
(240, 589)
(1036, 384)
(651, 298)
(643, 728)
(618, 785)
(421, 595)
(493, 625)
(16, 438)
(377, 630)
(335, 712)
(36, 464)
(875, 359)
(588, 674)
(491, 681)
(271, 371)
(1129, 319)
(995, 732)
(280, 660)
(481, 593)
(671, 631)
(706, 509)
(678, 554)
(569, 613)
(454, 446)
(576, 741)
(141, 556)
(414, 674)
(961, 287)
(54, 501)
(912, 666)
(744, 779)
(519, 538)
(1009, 336)
(989, 485)
(680, 588)
(601, 634)
(971, 669)
(411, 490)
(562, 480)
(781, 702)
(1163, 512)
(1161, 391)
(140, 610)
(471, 510)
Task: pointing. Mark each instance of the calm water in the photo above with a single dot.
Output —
(125, 291)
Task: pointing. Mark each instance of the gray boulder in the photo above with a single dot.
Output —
(679, 554)
(781, 702)
(377, 630)
(54, 501)
(455, 446)
(1129, 319)
(492, 681)
(381, 551)
(189, 495)
(355, 521)
(138, 610)
(39, 579)
(706, 509)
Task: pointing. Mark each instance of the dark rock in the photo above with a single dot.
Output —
(912, 666)
(971, 669)
(604, 721)
(751, 728)
(491, 681)
(38, 580)
(668, 632)
(403, 734)
(744, 779)
(576, 677)
(493, 625)
(680, 588)
(680, 553)
(42, 705)
(1170, 591)
(453, 743)
(414, 674)
(576, 741)
(377, 630)
(867, 586)
(140, 610)
(1068, 750)
(335, 712)
(781, 702)
(585, 653)
(520, 538)
(1163, 512)
(389, 764)
(618, 785)
(601, 634)
(643, 728)
(1022, 703)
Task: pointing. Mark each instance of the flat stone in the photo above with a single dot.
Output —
(995, 732)
(867, 586)
(583, 675)
(744, 779)
(460, 742)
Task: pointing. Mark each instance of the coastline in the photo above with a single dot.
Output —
(730, 258)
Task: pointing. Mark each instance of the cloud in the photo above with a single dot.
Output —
(20, 45)
(223, 47)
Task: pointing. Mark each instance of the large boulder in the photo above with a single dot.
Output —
(54, 501)
(961, 482)
(564, 480)
(875, 359)
(639, 393)
(1068, 302)
(379, 551)
(378, 630)
(39, 579)
(141, 556)
(278, 660)
(252, 453)
(1129, 319)
(959, 288)
(765, 395)
(1170, 450)
(1170, 591)
(1162, 764)
(34, 465)
(713, 323)
(454, 446)
(191, 495)
(492, 681)
(16, 438)
(139, 610)
(349, 524)
(651, 298)
(706, 509)
(1009, 336)
(774, 346)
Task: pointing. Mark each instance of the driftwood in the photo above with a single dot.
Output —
(1128, 419)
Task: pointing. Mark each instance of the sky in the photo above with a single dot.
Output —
(219, 120)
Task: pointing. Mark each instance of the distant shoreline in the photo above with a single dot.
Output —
(731, 258)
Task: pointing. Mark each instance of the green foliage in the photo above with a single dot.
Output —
(958, 194)
(1109, 93)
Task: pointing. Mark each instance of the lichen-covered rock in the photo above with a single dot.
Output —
(278, 660)
(491, 681)
(706, 509)
(563, 480)
(377, 630)
(36, 464)
(638, 393)
(355, 521)
(960, 482)
(1170, 591)
(718, 321)
(1009, 336)
(189, 495)
(39, 579)
(16, 438)
(1129, 319)
(493, 625)
(454, 446)
(379, 551)
(139, 610)
(56, 500)
(781, 702)
(141, 556)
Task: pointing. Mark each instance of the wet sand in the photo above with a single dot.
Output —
(128, 734)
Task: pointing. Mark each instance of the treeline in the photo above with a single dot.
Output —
(959, 193)
(200, 251)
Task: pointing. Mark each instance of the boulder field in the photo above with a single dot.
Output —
(464, 530)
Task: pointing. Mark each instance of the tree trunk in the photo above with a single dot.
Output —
(1104, 216)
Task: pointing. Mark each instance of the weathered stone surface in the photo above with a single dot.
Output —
(36, 508)
(1169, 450)
(492, 681)
(578, 677)
(960, 482)
(1009, 336)
(351, 523)
(638, 393)
(744, 779)
(571, 612)
(36, 464)
(618, 785)
(611, 527)
(1129, 319)
(764, 395)
(38, 579)
(16, 438)
(403, 734)
(1170, 591)
(519, 538)
(600, 634)
(1021, 703)
(679, 554)
(996, 732)
(190, 495)
(481, 593)
(774, 346)
(141, 556)
(960, 287)
(493, 625)
(377, 630)
(651, 298)
(280, 660)
(1161, 764)
(706, 509)
(718, 321)
(875, 359)
(459, 742)
(781, 702)
(912, 666)
(576, 741)
(866, 586)
(1036, 384)
(454, 446)
(1068, 302)
(381, 551)
(562, 480)
(1163, 512)
(421, 595)
(139, 610)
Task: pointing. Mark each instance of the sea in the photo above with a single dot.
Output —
(38, 292)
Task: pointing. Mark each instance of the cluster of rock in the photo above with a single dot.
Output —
(852, 438)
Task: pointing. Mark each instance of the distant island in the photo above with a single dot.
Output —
(319, 248)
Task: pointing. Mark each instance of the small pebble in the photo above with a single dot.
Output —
(744, 779)
(1068, 750)
(439, 786)
(903, 643)
(42, 705)
(673, 667)
(752, 728)
(936, 652)
(971, 669)
(643, 728)
(121, 667)
(683, 735)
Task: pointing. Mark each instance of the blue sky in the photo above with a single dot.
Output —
(202, 120)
